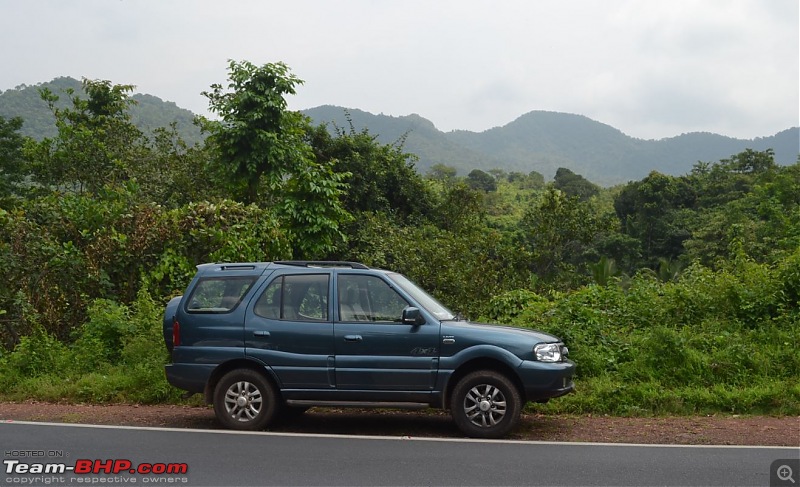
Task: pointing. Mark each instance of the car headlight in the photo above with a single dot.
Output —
(548, 352)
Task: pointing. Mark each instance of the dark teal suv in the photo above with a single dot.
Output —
(266, 339)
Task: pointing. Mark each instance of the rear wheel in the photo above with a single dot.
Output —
(485, 404)
(245, 400)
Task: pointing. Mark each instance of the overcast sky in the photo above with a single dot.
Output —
(650, 68)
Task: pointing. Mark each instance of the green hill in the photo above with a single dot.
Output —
(148, 113)
(544, 141)
(536, 141)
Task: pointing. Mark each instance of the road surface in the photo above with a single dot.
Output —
(42, 454)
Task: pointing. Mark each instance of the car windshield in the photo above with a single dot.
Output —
(424, 299)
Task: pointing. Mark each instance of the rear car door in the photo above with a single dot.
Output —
(289, 328)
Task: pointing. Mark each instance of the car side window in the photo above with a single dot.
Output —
(218, 294)
(298, 297)
(368, 298)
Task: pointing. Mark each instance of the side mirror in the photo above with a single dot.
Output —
(413, 316)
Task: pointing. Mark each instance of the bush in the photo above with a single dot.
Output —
(714, 341)
(118, 355)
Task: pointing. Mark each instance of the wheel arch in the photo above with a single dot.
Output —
(241, 363)
(482, 363)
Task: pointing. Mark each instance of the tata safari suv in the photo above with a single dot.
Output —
(261, 340)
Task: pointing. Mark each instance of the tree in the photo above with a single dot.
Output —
(442, 172)
(380, 177)
(257, 136)
(752, 162)
(763, 223)
(498, 174)
(574, 184)
(311, 205)
(12, 167)
(655, 211)
(96, 143)
(557, 231)
(478, 179)
(260, 142)
(173, 173)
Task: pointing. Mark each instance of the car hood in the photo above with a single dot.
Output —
(497, 332)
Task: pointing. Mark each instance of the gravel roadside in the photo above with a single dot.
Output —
(691, 430)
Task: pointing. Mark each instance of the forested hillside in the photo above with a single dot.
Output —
(676, 294)
(536, 141)
(544, 141)
(147, 113)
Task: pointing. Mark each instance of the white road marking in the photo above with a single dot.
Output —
(399, 438)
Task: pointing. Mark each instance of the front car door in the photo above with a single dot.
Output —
(374, 349)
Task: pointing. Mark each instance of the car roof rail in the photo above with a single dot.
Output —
(322, 263)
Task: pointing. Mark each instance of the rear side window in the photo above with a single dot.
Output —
(302, 297)
(218, 294)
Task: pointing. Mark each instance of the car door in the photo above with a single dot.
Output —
(289, 328)
(374, 349)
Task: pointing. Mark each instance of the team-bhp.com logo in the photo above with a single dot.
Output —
(95, 467)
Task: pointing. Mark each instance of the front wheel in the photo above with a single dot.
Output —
(245, 400)
(485, 404)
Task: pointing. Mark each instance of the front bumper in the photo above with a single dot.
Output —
(543, 380)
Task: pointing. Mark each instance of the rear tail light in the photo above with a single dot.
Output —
(176, 333)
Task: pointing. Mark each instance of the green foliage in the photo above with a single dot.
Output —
(684, 346)
(12, 165)
(507, 306)
(118, 355)
(558, 231)
(463, 267)
(650, 211)
(96, 143)
(442, 172)
(63, 251)
(311, 208)
(149, 112)
(603, 270)
(478, 179)
(574, 184)
(228, 231)
(257, 136)
(755, 213)
(173, 174)
(379, 177)
(260, 142)
(38, 353)
(99, 340)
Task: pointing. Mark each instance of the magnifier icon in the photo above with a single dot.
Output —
(785, 473)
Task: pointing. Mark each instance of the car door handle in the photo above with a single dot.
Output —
(352, 338)
(261, 333)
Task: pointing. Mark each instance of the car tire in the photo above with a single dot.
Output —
(245, 400)
(485, 404)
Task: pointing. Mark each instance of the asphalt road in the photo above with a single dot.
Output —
(225, 458)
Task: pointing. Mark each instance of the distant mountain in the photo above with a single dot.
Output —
(536, 141)
(150, 112)
(544, 141)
